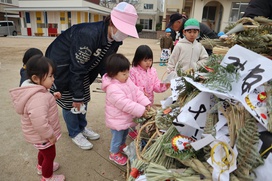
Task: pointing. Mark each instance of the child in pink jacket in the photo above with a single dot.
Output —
(145, 76)
(124, 101)
(39, 114)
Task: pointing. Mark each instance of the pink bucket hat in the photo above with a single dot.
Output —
(124, 18)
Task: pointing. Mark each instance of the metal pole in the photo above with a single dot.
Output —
(7, 22)
(164, 15)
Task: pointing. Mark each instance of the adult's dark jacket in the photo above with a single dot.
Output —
(77, 54)
(259, 8)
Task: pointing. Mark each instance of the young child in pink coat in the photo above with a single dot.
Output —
(39, 114)
(124, 101)
(145, 76)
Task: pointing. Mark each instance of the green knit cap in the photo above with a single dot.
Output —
(191, 24)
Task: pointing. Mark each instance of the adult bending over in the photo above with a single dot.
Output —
(79, 54)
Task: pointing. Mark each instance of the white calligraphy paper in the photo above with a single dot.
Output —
(254, 70)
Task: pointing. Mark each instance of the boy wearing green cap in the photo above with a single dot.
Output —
(188, 52)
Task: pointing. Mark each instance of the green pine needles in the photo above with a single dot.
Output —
(218, 77)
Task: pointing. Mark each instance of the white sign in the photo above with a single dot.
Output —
(192, 118)
(254, 70)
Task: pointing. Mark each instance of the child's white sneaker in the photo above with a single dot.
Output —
(90, 134)
(82, 142)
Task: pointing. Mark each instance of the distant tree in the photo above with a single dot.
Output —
(112, 3)
(105, 3)
(139, 28)
(158, 26)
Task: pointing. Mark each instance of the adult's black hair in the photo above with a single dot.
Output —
(116, 63)
(39, 65)
(141, 53)
(31, 52)
(107, 19)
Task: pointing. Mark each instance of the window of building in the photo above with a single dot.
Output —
(147, 23)
(209, 13)
(52, 25)
(27, 16)
(6, 1)
(237, 11)
(148, 6)
(41, 25)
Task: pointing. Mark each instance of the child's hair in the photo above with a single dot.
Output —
(141, 53)
(31, 52)
(116, 63)
(39, 65)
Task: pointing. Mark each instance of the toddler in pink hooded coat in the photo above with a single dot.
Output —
(124, 101)
(39, 114)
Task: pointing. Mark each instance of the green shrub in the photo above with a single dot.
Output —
(139, 28)
(158, 26)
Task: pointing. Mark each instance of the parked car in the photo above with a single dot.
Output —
(7, 28)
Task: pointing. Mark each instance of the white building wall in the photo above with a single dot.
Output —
(160, 5)
(53, 17)
(33, 22)
(15, 2)
(56, 3)
(197, 10)
(198, 6)
(226, 14)
(73, 18)
(149, 14)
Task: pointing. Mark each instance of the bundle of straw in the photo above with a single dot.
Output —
(268, 90)
(196, 165)
(138, 164)
(155, 172)
(235, 115)
(247, 146)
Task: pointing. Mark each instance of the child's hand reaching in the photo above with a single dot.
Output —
(57, 95)
(53, 139)
(167, 85)
(147, 109)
